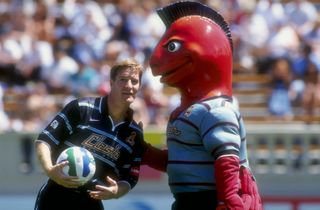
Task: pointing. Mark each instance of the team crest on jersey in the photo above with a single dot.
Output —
(131, 138)
(54, 124)
(187, 113)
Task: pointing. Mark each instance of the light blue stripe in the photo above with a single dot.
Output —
(51, 137)
(67, 122)
(68, 143)
(106, 161)
(205, 173)
(86, 104)
(100, 106)
(135, 127)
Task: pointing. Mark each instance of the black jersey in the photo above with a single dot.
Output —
(85, 122)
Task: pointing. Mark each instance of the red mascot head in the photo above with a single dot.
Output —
(195, 53)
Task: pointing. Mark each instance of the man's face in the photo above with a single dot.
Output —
(126, 85)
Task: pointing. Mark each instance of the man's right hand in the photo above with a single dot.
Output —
(56, 174)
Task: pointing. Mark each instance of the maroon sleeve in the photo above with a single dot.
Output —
(155, 158)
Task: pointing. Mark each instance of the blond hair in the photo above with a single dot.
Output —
(124, 64)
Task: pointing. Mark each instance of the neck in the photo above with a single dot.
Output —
(117, 111)
(192, 95)
(188, 98)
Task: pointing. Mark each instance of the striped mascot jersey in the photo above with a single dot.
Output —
(199, 135)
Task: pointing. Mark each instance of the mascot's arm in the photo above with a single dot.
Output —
(236, 187)
(155, 158)
(227, 183)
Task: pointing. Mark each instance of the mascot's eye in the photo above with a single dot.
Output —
(173, 46)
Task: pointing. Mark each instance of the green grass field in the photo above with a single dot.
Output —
(155, 138)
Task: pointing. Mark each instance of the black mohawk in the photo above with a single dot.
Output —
(174, 11)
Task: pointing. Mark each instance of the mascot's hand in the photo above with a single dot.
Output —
(249, 190)
(154, 157)
(236, 188)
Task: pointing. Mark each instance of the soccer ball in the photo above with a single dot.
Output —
(81, 163)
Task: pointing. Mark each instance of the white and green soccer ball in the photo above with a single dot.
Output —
(81, 163)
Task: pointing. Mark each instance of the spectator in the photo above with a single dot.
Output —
(300, 64)
(10, 53)
(63, 67)
(97, 33)
(156, 101)
(311, 93)
(302, 15)
(279, 102)
(4, 120)
(90, 29)
(85, 81)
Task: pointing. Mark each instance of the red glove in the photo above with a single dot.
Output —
(228, 183)
(236, 187)
(249, 189)
(155, 158)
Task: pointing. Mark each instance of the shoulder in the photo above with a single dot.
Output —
(91, 103)
(87, 101)
(135, 126)
(211, 105)
(222, 109)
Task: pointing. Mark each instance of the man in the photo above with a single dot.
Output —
(104, 126)
(206, 160)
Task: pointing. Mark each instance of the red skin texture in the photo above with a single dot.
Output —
(199, 65)
(202, 67)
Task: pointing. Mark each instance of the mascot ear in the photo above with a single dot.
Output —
(177, 10)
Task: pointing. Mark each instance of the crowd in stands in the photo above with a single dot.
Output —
(54, 50)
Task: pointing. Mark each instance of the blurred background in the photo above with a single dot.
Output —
(52, 51)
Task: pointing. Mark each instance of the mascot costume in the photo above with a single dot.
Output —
(206, 156)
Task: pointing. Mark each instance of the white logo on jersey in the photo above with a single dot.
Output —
(54, 124)
(173, 131)
(96, 142)
(188, 111)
